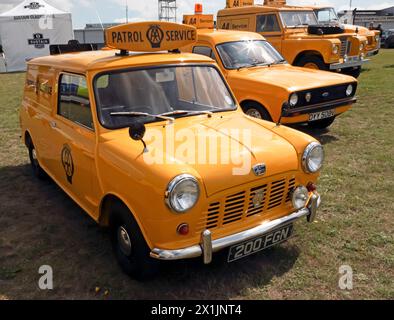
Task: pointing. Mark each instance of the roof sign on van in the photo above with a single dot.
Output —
(198, 19)
(150, 36)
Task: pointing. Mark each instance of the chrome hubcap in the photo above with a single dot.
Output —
(124, 241)
(254, 113)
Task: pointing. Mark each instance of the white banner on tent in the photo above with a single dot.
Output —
(28, 30)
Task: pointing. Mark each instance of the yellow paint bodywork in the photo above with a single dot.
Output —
(292, 43)
(109, 164)
(268, 86)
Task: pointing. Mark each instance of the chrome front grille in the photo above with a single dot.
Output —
(345, 46)
(243, 205)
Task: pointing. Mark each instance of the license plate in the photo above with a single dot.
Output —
(321, 115)
(265, 241)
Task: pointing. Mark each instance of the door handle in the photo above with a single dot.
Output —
(52, 124)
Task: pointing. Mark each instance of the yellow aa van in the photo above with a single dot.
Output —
(328, 16)
(152, 143)
(262, 80)
(295, 33)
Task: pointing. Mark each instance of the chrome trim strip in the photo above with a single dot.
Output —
(208, 246)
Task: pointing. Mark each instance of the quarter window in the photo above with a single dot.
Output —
(205, 51)
(74, 100)
(267, 23)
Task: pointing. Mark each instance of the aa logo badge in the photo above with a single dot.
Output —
(67, 162)
(155, 35)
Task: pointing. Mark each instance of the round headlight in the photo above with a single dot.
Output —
(313, 157)
(349, 90)
(335, 49)
(182, 193)
(299, 197)
(293, 100)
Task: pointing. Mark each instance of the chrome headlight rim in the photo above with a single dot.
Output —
(307, 152)
(293, 99)
(349, 90)
(173, 184)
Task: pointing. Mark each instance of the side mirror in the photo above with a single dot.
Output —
(137, 131)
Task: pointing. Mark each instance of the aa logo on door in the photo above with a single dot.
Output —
(68, 163)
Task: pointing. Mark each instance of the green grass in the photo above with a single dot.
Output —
(40, 225)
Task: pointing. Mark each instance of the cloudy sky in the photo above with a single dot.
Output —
(89, 11)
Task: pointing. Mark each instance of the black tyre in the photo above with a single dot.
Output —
(354, 72)
(321, 124)
(312, 62)
(38, 172)
(131, 250)
(257, 111)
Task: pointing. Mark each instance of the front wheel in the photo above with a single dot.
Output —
(354, 72)
(312, 62)
(38, 172)
(321, 124)
(257, 111)
(131, 250)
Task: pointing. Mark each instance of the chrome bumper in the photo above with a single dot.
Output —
(349, 63)
(372, 53)
(207, 246)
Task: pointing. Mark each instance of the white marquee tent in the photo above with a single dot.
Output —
(27, 30)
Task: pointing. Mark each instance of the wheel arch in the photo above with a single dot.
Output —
(306, 53)
(246, 102)
(105, 212)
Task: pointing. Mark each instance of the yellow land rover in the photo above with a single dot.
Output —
(152, 143)
(295, 33)
(328, 16)
(262, 80)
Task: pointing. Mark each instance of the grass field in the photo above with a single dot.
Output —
(40, 225)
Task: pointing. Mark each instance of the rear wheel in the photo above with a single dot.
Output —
(257, 111)
(321, 124)
(354, 72)
(131, 250)
(38, 172)
(312, 62)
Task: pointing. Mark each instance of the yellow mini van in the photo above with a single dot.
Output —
(152, 143)
(262, 80)
(295, 33)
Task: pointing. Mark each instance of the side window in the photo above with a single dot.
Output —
(74, 100)
(267, 23)
(205, 51)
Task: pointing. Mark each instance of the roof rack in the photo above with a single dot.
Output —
(72, 46)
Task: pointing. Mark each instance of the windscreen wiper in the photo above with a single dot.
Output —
(180, 112)
(141, 114)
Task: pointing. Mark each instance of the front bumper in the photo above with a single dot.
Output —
(208, 246)
(372, 53)
(349, 62)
